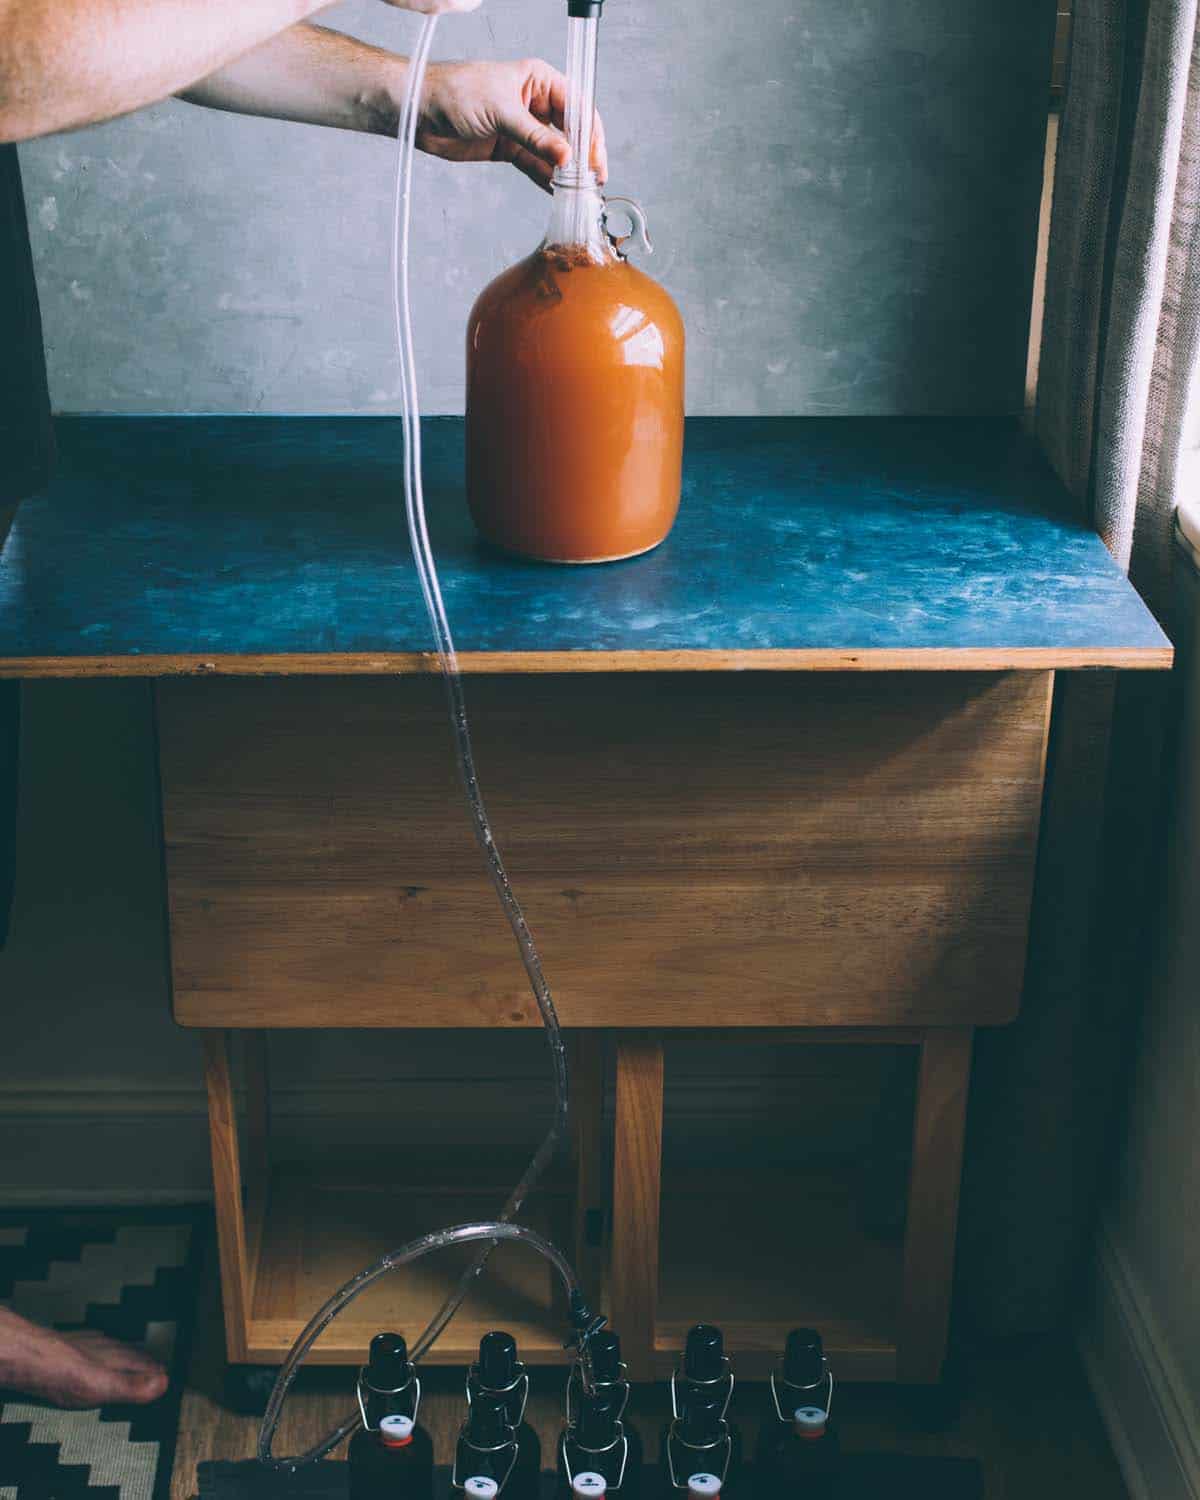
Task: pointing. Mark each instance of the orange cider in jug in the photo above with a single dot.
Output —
(575, 361)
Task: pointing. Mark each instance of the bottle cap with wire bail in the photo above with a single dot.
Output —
(487, 1424)
(803, 1357)
(810, 1422)
(396, 1431)
(704, 1353)
(498, 1365)
(703, 1421)
(703, 1486)
(589, 1486)
(388, 1367)
(597, 1426)
(584, 10)
(605, 1350)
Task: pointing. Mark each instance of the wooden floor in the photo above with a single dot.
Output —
(1028, 1418)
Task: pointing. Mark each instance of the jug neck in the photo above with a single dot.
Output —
(577, 217)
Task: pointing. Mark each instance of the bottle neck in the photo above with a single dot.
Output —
(577, 220)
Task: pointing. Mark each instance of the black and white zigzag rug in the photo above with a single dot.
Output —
(132, 1274)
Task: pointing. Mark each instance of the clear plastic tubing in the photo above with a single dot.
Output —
(440, 1239)
(583, 34)
(579, 113)
(414, 499)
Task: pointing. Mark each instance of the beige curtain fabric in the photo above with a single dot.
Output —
(1121, 334)
(1118, 361)
(1085, 167)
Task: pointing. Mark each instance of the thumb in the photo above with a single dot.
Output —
(546, 143)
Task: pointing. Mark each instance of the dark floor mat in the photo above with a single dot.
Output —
(865, 1476)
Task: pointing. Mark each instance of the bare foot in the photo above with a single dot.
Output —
(75, 1369)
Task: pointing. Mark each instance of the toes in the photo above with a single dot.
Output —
(100, 1385)
(114, 1354)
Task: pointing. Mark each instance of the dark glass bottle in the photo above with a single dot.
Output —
(804, 1459)
(705, 1370)
(608, 1371)
(704, 1380)
(804, 1380)
(699, 1444)
(391, 1458)
(487, 1454)
(608, 1383)
(499, 1372)
(598, 1442)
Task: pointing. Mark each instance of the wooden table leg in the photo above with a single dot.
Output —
(932, 1221)
(637, 1184)
(587, 1051)
(258, 1140)
(236, 1280)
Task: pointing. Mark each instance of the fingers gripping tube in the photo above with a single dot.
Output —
(487, 1235)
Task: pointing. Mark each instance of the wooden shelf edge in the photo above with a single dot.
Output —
(409, 663)
(209, 1010)
(269, 1339)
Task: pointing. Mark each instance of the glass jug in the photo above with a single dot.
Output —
(575, 362)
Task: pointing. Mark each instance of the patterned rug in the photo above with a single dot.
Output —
(132, 1274)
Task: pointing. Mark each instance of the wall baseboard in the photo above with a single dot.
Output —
(128, 1142)
(1144, 1401)
(120, 1145)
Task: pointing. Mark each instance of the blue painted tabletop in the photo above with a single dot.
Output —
(278, 544)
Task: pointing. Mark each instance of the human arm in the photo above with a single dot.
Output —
(67, 63)
(509, 111)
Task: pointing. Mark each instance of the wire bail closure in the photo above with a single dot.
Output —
(726, 1374)
(596, 1386)
(826, 1381)
(458, 1484)
(724, 1442)
(608, 1448)
(521, 1380)
(413, 1379)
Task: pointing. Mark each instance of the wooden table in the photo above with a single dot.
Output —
(786, 773)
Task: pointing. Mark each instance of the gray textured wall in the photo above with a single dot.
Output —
(843, 193)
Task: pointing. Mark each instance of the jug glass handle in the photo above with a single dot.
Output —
(638, 231)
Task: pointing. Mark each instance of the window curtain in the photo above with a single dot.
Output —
(1117, 370)
(1121, 329)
